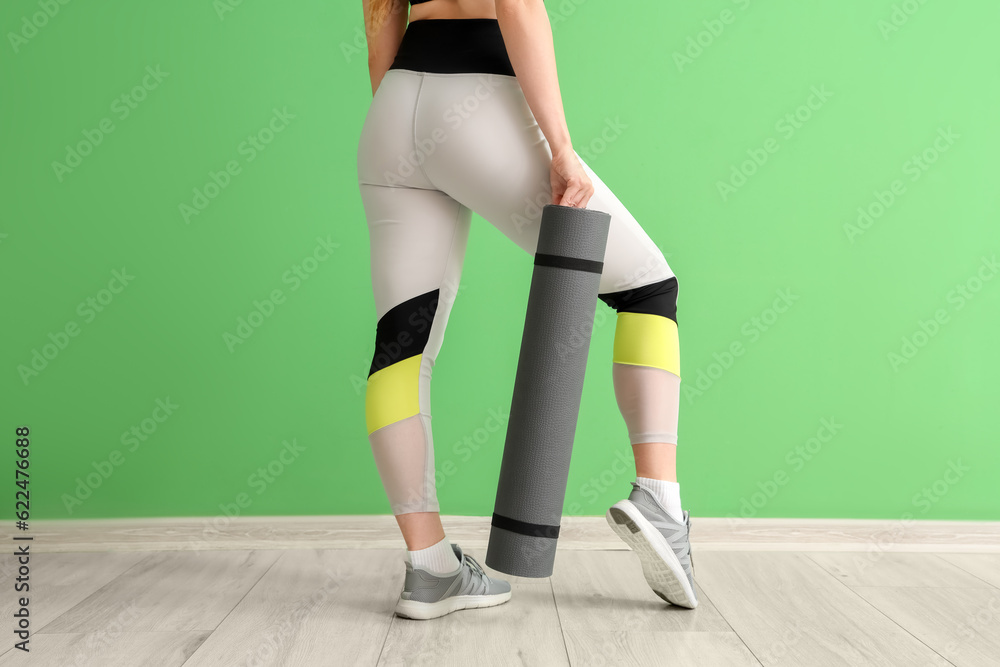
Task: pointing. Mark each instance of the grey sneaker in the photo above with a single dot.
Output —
(426, 595)
(660, 541)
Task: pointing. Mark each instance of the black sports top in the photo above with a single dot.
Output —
(416, 2)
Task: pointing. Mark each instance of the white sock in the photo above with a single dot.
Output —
(668, 493)
(437, 559)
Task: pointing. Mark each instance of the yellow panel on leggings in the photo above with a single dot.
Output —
(643, 339)
(392, 393)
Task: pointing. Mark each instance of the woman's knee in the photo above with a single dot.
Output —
(657, 298)
(646, 327)
(394, 378)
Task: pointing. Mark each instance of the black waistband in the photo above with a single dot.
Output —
(452, 46)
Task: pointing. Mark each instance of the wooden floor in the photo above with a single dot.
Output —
(333, 606)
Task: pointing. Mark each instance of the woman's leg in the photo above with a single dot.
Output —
(494, 159)
(418, 238)
(656, 460)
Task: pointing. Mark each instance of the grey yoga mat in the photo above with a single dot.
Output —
(548, 385)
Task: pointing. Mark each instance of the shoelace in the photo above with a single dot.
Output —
(687, 524)
(474, 565)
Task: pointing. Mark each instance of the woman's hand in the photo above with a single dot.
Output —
(570, 184)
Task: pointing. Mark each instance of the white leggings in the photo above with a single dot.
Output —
(435, 147)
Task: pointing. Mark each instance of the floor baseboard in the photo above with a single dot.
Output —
(593, 533)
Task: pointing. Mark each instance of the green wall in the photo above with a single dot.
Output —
(743, 135)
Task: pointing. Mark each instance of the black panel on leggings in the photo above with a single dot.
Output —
(403, 331)
(656, 299)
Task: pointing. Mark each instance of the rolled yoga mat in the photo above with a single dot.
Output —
(548, 386)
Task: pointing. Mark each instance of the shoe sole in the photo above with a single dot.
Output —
(422, 611)
(660, 565)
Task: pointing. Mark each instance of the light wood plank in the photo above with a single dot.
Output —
(962, 624)
(577, 532)
(789, 611)
(655, 649)
(170, 590)
(107, 649)
(895, 569)
(313, 607)
(983, 566)
(610, 616)
(523, 631)
(60, 581)
(603, 591)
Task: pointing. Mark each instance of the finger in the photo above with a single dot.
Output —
(571, 195)
(556, 195)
